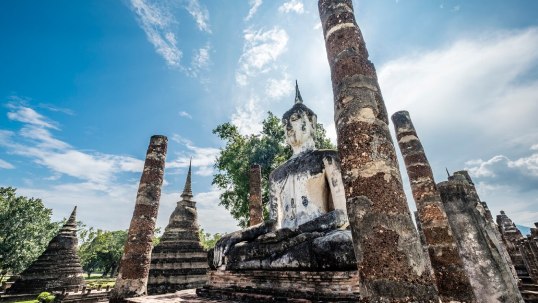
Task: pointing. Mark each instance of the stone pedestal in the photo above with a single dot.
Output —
(135, 263)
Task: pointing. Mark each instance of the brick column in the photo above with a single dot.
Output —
(390, 258)
(452, 280)
(135, 263)
(255, 196)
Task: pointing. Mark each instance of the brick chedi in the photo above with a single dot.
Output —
(255, 195)
(391, 262)
(452, 280)
(179, 261)
(485, 258)
(511, 237)
(135, 262)
(57, 268)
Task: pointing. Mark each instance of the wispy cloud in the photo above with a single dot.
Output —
(278, 88)
(452, 85)
(156, 22)
(451, 94)
(203, 158)
(261, 48)
(36, 142)
(200, 15)
(6, 165)
(295, 6)
(28, 115)
(185, 114)
(248, 117)
(254, 5)
(200, 61)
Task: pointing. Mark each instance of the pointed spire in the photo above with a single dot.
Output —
(73, 217)
(187, 191)
(70, 225)
(298, 98)
(447, 172)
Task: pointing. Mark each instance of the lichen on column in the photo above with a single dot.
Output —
(452, 281)
(255, 196)
(390, 258)
(135, 263)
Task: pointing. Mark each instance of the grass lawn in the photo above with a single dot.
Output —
(96, 279)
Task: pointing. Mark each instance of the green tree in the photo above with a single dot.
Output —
(102, 251)
(25, 230)
(208, 240)
(267, 149)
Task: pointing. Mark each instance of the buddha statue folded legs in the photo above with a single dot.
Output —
(307, 225)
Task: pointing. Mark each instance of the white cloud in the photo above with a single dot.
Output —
(248, 117)
(455, 84)
(6, 165)
(200, 15)
(278, 88)
(254, 5)
(203, 158)
(200, 61)
(260, 50)
(475, 98)
(185, 114)
(27, 115)
(36, 142)
(156, 23)
(295, 6)
(522, 171)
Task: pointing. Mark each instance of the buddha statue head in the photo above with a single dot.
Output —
(300, 125)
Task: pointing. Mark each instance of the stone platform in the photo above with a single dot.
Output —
(187, 295)
(283, 286)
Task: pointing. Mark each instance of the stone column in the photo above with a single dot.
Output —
(452, 280)
(255, 196)
(135, 262)
(390, 258)
(485, 258)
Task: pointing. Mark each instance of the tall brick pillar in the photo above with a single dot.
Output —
(255, 196)
(135, 263)
(452, 280)
(390, 258)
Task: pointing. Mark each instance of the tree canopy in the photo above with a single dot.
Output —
(25, 230)
(268, 149)
(101, 250)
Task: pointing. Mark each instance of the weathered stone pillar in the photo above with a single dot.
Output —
(452, 280)
(135, 262)
(255, 196)
(484, 255)
(390, 258)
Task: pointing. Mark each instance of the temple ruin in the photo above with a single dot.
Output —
(179, 261)
(255, 195)
(57, 268)
(485, 257)
(135, 263)
(523, 251)
(452, 281)
(304, 250)
(390, 258)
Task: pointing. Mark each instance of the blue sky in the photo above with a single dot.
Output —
(84, 84)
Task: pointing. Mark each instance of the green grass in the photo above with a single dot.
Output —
(31, 301)
(96, 279)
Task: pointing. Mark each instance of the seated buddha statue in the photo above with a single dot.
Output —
(307, 222)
